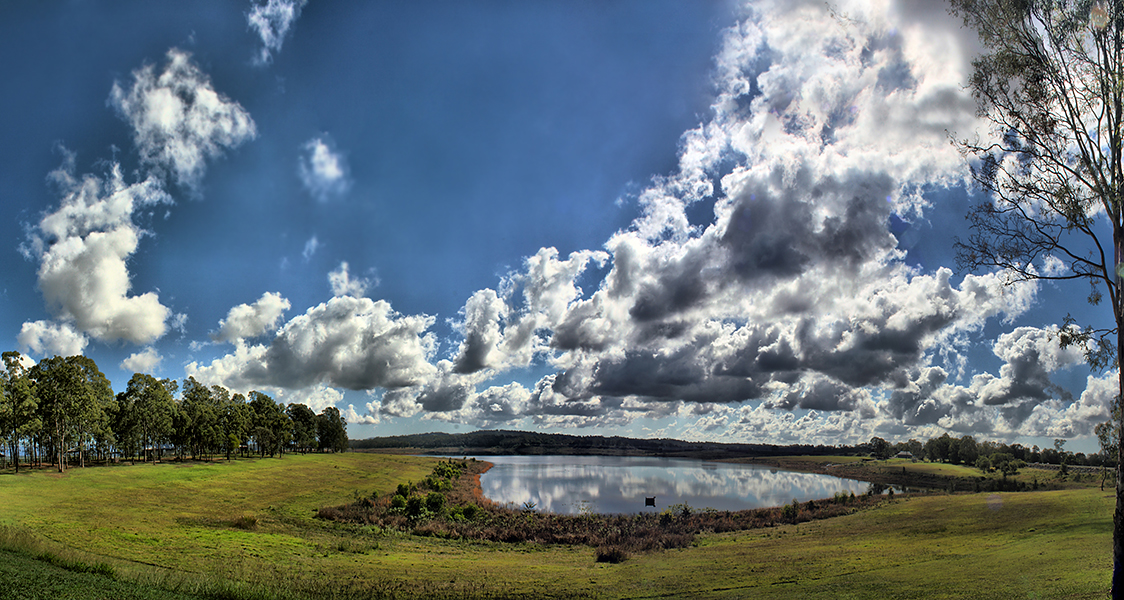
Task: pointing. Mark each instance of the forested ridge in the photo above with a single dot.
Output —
(63, 412)
(530, 442)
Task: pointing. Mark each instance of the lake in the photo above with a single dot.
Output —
(619, 484)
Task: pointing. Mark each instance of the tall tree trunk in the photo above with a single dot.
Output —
(1117, 215)
(1118, 514)
(60, 446)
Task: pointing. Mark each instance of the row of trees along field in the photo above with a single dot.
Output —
(967, 451)
(62, 411)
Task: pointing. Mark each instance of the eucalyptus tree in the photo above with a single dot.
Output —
(968, 450)
(19, 415)
(180, 435)
(239, 423)
(304, 427)
(222, 401)
(125, 428)
(201, 416)
(332, 430)
(272, 426)
(1109, 440)
(73, 396)
(97, 406)
(147, 407)
(235, 419)
(1051, 83)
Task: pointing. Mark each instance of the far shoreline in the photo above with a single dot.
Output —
(899, 473)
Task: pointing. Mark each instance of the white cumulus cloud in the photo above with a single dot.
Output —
(353, 416)
(790, 315)
(317, 397)
(46, 339)
(83, 248)
(343, 284)
(271, 20)
(323, 169)
(142, 362)
(179, 121)
(310, 247)
(346, 342)
(251, 320)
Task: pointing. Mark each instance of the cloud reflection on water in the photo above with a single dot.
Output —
(615, 484)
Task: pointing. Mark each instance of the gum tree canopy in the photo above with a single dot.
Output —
(1050, 83)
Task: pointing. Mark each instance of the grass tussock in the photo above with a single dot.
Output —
(245, 522)
(458, 511)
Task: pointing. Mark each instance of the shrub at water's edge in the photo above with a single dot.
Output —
(448, 504)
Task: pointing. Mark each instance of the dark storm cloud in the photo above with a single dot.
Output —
(679, 288)
(876, 355)
(774, 231)
(482, 314)
(1030, 355)
(914, 405)
(680, 376)
(820, 393)
(572, 333)
(554, 395)
(445, 396)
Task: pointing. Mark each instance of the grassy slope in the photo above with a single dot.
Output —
(1044, 544)
(944, 469)
(909, 473)
(26, 578)
(179, 516)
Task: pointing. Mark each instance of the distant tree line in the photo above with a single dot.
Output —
(988, 455)
(63, 412)
(499, 441)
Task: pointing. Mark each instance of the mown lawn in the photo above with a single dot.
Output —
(163, 522)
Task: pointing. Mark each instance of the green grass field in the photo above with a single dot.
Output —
(930, 468)
(246, 530)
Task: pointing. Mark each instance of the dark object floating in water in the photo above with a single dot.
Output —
(650, 501)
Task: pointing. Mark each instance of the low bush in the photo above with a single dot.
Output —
(435, 502)
(611, 554)
(791, 511)
(247, 522)
(414, 506)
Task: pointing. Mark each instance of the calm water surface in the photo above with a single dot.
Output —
(619, 484)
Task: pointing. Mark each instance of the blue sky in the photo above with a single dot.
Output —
(707, 220)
